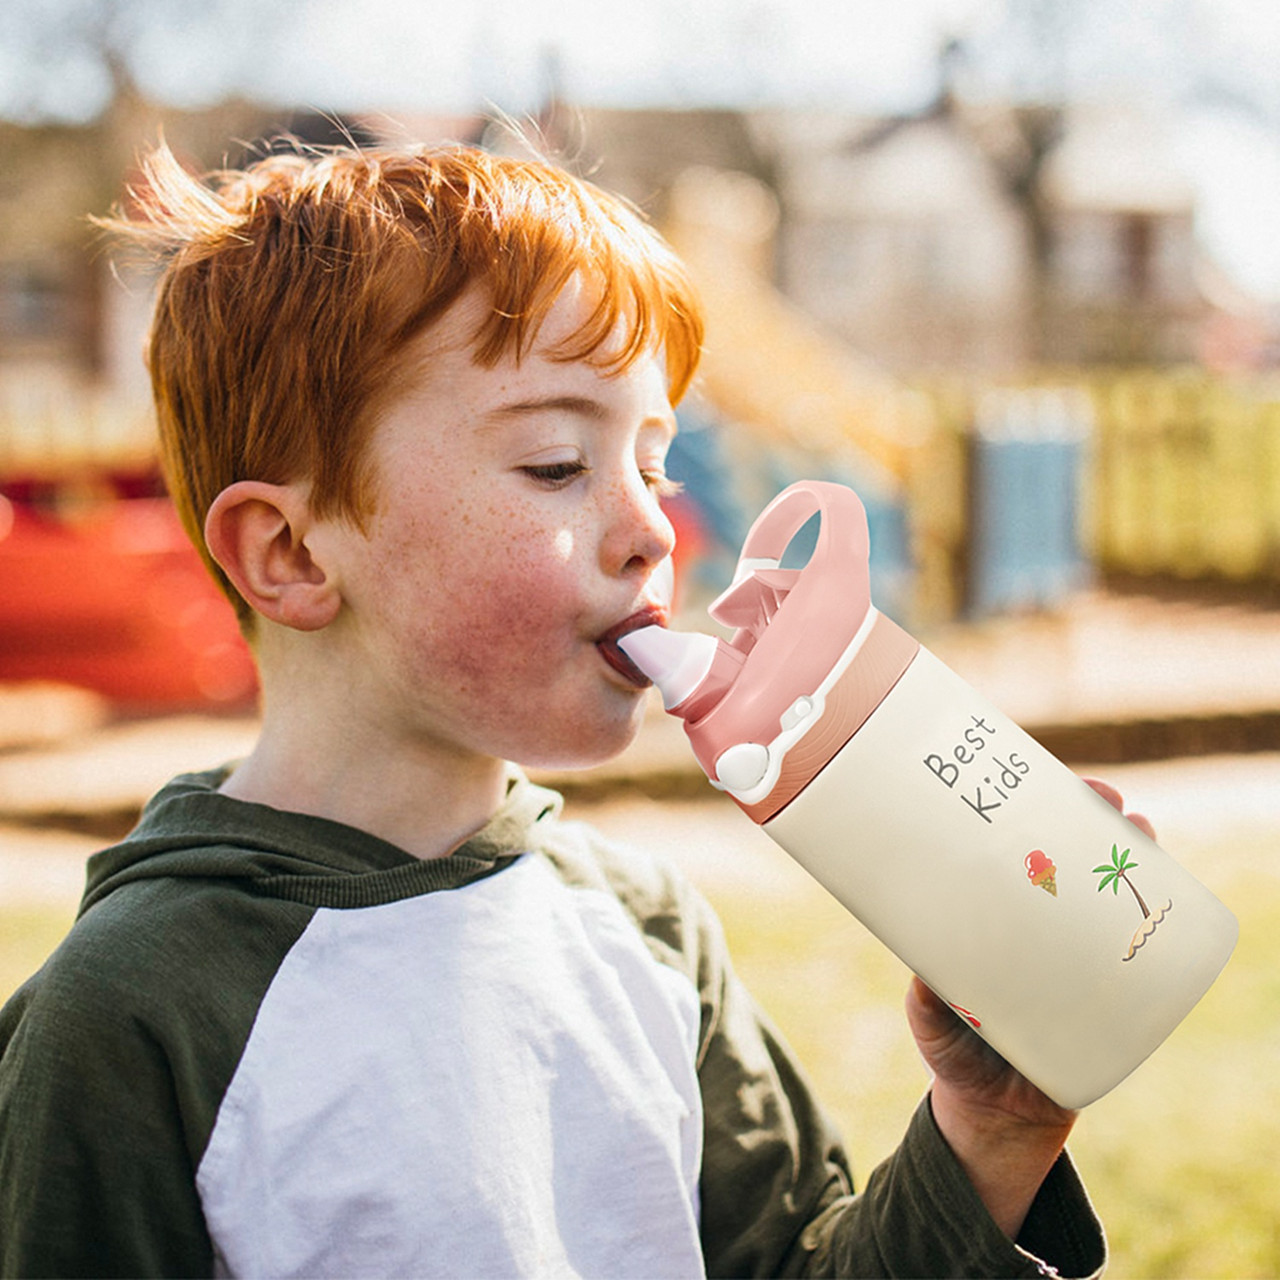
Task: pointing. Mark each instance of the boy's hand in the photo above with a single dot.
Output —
(1004, 1131)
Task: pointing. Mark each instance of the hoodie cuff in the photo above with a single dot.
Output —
(931, 1222)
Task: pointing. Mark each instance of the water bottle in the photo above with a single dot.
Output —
(1058, 930)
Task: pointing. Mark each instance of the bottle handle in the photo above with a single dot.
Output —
(842, 532)
(792, 628)
(830, 596)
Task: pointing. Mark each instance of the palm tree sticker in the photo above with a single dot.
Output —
(1113, 873)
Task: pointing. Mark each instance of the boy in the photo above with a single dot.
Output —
(362, 1003)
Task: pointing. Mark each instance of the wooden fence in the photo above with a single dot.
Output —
(1184, 477)
(1178, 475)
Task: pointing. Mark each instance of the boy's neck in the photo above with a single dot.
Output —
(329, 750)
(425, 804)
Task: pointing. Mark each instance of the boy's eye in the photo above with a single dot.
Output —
(556, 474)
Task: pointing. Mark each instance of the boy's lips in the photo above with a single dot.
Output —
(607, 644)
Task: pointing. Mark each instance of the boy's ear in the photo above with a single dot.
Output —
(257, 533)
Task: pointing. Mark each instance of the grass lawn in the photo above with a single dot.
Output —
(1180, 1158)
(27, 935)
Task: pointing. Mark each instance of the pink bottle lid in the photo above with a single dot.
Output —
(809, 660)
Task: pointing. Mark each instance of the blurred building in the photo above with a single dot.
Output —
(959, 237)
(1124, 270)
(56, 312)
(898, 235)
(980, 238)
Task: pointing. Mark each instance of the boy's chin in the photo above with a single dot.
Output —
(581, 753)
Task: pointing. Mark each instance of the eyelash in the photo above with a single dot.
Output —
(662, 484)
(558, 474)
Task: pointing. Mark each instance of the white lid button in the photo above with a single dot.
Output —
(742, 766)
(798, 712)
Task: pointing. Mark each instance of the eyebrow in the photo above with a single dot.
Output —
(584, 406)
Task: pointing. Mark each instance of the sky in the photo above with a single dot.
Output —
(665, 51)
(868, 53)
(1209, 65)
(450, 54)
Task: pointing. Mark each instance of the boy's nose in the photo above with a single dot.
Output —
(639, 534)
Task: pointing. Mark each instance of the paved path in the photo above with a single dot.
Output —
(1217, 814)
(1122, 658)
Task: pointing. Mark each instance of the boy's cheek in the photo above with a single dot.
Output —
(504, 626)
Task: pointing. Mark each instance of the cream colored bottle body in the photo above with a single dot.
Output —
(1066, 936)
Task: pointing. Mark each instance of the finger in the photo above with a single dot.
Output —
(1143, 824)
(925, 997)
(1107, 792)
(929, 1013)
(1116, 801)
(932, 1023)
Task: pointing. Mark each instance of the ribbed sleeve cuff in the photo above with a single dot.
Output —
(928, 1220)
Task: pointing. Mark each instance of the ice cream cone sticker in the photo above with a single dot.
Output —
(1041, 871)
(1113, 873)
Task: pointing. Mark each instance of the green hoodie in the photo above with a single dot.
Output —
(275, 1045)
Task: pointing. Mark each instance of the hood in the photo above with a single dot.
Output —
(191, 830)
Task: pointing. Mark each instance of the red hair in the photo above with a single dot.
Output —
(291, 288)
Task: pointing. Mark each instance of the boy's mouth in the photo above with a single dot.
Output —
(607, 644)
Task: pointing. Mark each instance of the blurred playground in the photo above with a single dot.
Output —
(987, 497)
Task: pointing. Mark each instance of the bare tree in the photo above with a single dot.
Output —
(74, 60)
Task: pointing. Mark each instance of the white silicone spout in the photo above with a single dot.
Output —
(676, 661)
